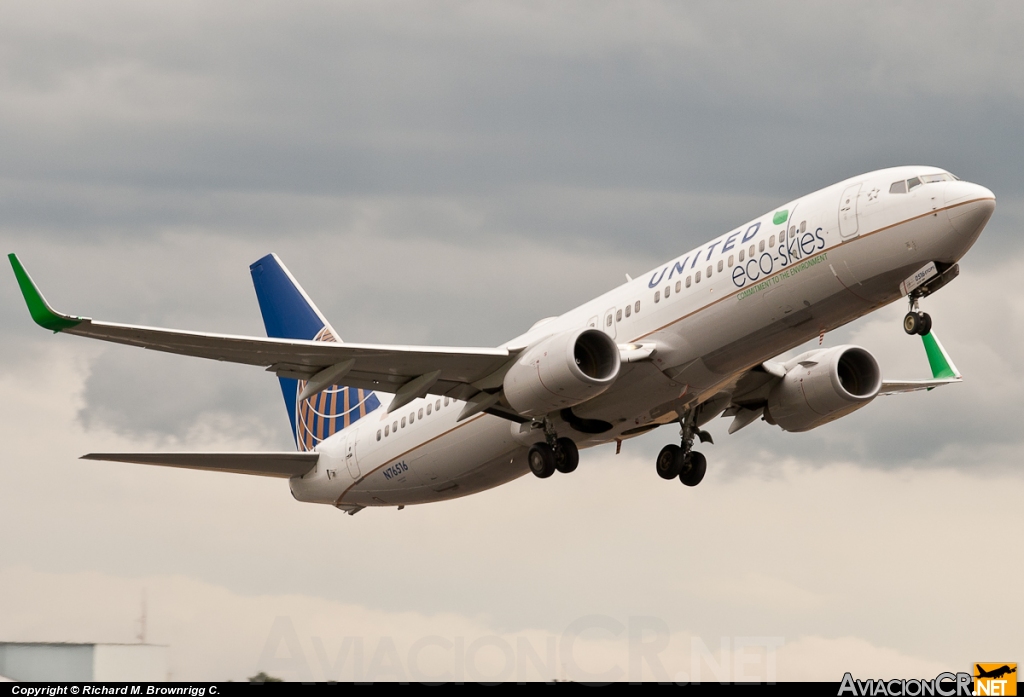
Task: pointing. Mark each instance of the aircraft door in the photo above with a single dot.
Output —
(848, 210)
(350, 457)
(608, 324)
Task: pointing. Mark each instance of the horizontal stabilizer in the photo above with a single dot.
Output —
(283, 465)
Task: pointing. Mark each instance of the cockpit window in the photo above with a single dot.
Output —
(911, 184)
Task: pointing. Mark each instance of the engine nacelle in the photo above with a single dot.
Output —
(562, 371)
(822, 385)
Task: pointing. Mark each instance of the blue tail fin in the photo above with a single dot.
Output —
(288, 313)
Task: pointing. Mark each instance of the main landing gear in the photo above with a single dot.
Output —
(556, 454)
(681, 460)
(917, 322)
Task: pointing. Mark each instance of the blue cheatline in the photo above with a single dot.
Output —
(289, 314)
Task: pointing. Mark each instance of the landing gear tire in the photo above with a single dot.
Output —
(917, 323)
(694, 473)
(542, 460)
(670, 462)
(567, 456)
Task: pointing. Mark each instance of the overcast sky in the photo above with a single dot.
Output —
(448, 173)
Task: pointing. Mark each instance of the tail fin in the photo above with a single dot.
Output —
(288, 313)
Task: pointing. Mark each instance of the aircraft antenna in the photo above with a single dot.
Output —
(141, 636)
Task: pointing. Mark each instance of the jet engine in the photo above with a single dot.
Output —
(822, 385)
(562, 371)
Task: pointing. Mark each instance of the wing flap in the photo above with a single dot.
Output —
(284, 465)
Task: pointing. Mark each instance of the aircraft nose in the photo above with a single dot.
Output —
(969, 206)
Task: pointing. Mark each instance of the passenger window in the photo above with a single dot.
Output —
(446, 401)
(898, 188)
(636, 307)
(730, 261)
(412, 418)
(657, 296)
(668, 291)
(394, 427)
(771, 242)
(720, 264)
(419, 414)
(696, 277)
(751, 252)
(438, 405)
(387, 430)
(378, 434)
(913, 183)
(608, 323)
(742, 256)
(628, 308)
(679, 286)
(429, 405)
(760, 247)
(403, 422)
(803, 226)
(687, 281)
(709, 272)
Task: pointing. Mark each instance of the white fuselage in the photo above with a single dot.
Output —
(810, 266)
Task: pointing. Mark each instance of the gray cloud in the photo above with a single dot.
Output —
(365, 98)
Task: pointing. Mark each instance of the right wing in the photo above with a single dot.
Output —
(943, 370)
(290, 464)
(748, 399)
(454, 371)
(901, 386)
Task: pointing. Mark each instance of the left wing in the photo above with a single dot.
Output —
(458, 372)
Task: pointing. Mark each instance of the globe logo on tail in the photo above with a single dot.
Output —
(321, 416)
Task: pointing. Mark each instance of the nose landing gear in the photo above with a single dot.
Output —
(681, 460)
(915, 321)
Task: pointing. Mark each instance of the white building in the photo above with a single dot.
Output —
(50, 662)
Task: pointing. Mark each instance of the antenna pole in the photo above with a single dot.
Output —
(142, 620)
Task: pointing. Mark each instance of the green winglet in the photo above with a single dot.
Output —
(938, 359)
(41, 312)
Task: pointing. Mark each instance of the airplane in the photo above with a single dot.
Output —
(693, 339)
(995, 673)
